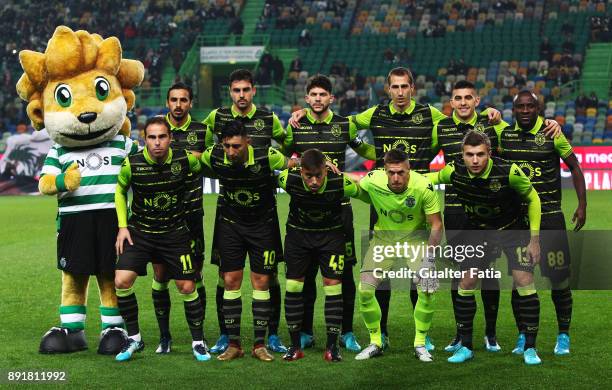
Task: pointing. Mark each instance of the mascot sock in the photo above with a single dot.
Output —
(128, 306)
(348, 299)
(294, 309)
(219, 302)
(111, 317)
(423, 315)
(194, 315)
(466, 310)
(202, 294)
(73, 317)
(370, 311)
(490, 302)
(275, 306)
(333, 313)
(162, 304)
(529, 307)
(232, 311)
(261, 315)
(563, 306)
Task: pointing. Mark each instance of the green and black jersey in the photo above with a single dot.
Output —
(262, 126)
(331, 136)
(248, 188)
(316, 211)
(159, 189)
(448, 136)
(410, 130)
(191, 137)
(492, 200)
(538, 156)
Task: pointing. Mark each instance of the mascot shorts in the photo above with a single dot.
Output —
(86, 242)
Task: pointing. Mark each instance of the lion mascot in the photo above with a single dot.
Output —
(80, 90)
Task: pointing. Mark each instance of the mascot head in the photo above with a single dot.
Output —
(80, 88)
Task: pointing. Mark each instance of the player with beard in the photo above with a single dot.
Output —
(263, 127)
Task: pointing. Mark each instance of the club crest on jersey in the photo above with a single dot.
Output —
(479, 127)
(175, 168)
(410, 201)
(495, 185)
(192, 138)
(417, 119)
(336, 130)
(540, 139)
(258, 125)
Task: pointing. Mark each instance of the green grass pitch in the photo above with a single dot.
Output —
(30, 291)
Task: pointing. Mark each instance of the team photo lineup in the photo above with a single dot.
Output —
(390, 203)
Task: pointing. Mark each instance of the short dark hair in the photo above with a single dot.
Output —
(232, 129)
(312, 159)
(319, 81)
(157, 120)
(180, 85)
(400, 71)
(463, 84)
(241, 75)
(526, 92)
(396, 156)
(476, 138)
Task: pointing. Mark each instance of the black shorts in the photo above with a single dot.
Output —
(86, 242)
(196, 233)
(460, 233)
(215, 254)
(302, 248)
(171, 249)
(554, 248)
(350, 256)
(260, 240)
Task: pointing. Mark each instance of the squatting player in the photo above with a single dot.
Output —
(189, 135)
(405, 202)
(538, 156)
(247, 223)
(330, 133)
(156, 231)
(263, 127)
(315, 237)
(491, 191)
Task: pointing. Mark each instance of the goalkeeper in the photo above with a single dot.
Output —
(405, 202)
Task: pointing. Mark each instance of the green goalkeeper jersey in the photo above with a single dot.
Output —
(405, 211)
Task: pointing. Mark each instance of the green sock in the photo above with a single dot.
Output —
(370, 311)
(73, 317)
(423, 314)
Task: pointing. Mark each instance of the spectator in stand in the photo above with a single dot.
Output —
(296, 65)
(593, 101)
(546, 50)
(305, 38)
(278, 69)
(508, 80)
(582, 101)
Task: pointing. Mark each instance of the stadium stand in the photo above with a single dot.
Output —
(502, 46)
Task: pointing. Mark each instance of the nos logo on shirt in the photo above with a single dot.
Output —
(397, 216)
(93, 161)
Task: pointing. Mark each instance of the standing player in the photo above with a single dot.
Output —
(405, 202)
(247, 224)
(315, 237)
(538, 156)
(322, 129)
(263, 127)
(186, 135)
(491, 191)
(448, 135)
(156, 231)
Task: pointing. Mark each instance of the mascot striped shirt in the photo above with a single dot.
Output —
(99, 166)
